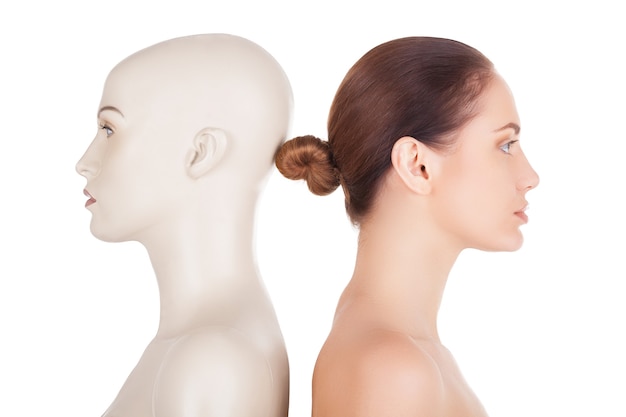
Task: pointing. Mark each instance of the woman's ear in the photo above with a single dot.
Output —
(208, 148)
(410, 159)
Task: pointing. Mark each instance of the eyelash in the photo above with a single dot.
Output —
(508, 146)
(106, 129)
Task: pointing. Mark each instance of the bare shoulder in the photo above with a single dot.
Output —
(387, 374)
(214, 371)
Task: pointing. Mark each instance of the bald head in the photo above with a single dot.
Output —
(218, 82)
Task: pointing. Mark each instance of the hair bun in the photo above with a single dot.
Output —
(309, 158)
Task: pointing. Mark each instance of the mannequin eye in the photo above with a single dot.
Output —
(106, 129)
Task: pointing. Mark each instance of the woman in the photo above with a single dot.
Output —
(423, 138)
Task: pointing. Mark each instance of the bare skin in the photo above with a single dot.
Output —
(383, 356)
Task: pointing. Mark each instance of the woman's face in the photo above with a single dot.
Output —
(134, 166)
(480, 194)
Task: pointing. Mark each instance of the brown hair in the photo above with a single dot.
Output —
(421, 87)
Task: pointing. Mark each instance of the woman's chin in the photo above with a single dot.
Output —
(510, 243)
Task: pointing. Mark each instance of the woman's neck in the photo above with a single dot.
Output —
(401, 271)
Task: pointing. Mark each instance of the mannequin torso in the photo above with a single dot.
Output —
(197, 362)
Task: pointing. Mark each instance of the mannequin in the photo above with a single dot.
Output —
(423, 137)
(187, 131)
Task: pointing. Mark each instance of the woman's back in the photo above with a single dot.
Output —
(368, 368)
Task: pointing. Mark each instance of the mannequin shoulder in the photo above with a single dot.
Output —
(210, 370)
(387, 375)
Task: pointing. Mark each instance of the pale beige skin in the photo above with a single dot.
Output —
(383, 356)
(187, 133)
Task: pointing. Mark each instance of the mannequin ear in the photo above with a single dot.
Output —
(409, 158)
(209, 146)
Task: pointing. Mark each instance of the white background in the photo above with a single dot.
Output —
(539, 332)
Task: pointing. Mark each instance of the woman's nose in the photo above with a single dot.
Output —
(529, 179)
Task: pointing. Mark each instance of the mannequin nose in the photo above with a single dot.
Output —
(89, 164)
(81, 168)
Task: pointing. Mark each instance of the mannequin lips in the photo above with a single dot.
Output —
(91, 199)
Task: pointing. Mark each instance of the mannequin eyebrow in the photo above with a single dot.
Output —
(511, 125)
(115, 109)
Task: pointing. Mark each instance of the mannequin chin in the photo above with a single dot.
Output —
(187, 131)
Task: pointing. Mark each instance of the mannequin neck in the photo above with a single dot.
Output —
(204, 263)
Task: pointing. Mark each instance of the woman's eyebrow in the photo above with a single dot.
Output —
(511, 125)
(110, 108)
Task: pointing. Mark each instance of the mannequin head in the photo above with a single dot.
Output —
(186, 122)
(406, 109)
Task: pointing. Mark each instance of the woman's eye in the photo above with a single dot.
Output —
(506, 148)
(106, 129)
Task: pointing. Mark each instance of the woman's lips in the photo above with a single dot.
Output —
(91, 199)
(522, 214)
